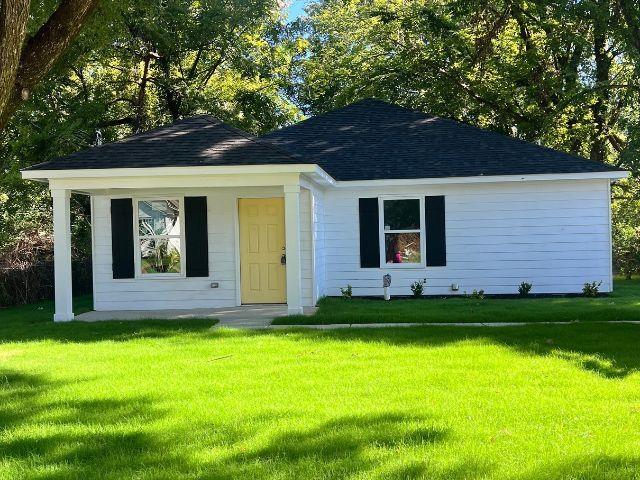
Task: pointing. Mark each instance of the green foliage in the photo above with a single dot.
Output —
(477, 294)
(625, 211)
(417, 287)
(524, 289)
(591, 289)
(347, 292)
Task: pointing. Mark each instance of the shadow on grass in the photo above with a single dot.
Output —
(72, 438)
(116, 438)
(343, 445)
(608, 350)
(126, 438)
(34, 323)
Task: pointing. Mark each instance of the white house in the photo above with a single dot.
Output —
(198, 214)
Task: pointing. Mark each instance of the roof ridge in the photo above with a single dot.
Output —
(348, 107)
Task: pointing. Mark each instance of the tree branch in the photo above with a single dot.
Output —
(44, 49)
(13, 23)
(116, 122)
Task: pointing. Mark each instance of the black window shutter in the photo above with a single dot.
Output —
(435, 231)
(195, 232)
(122, 237)
(369, 233)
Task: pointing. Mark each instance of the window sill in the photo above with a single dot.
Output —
(169, 276)
(400, 266)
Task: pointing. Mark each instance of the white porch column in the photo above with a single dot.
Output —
(62, 254)
(292, 236)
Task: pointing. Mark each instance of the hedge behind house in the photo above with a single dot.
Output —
(26, 272)
(19, 286)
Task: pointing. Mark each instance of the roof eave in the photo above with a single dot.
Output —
(310, 170)
(611, 175)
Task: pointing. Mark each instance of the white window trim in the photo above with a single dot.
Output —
(136, 239)
(382, 231)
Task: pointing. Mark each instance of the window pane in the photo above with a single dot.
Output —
(158, 217)
(402, 247)
(160, 255)
(402, 214)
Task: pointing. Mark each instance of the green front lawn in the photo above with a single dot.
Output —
(622, 304)
(172, 400)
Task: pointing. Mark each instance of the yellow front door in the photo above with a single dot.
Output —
(262, 275)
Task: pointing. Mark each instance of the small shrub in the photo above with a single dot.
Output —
(477, 294)
(347, 292)
(417, 287)
(591, 289)
(524, 289)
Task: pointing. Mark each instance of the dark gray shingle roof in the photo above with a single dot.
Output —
(367, 140)
(372, 139)
(196, 141)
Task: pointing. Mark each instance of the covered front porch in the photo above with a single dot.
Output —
(219, 287)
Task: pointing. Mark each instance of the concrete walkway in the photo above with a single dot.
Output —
(335, 326)
(261, 316)
(246, 316)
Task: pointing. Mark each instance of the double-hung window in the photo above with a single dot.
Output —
(402, 231)
(159, 237)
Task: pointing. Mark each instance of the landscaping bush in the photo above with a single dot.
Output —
(417, 287)
(26, 272)
(591, 289)
(477, 294)
(524, 289)
(347, 292)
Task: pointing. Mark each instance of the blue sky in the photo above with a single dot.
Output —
(296, 9)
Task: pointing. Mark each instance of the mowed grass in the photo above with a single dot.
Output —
(179, 400)
(622, 304)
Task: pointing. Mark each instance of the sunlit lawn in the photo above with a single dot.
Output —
(622, 304)
(167, 400)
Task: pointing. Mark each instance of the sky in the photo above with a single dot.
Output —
(296, 9)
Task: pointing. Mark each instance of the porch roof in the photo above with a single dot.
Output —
(198, 141)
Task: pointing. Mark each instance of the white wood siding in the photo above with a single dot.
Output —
(185, 293)
(318, 232)
(305, 247)
(554, 234)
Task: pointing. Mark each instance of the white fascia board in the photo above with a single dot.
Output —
(231, 175)
(612, 175)
(170, 171)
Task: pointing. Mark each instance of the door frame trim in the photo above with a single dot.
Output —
(236, 221)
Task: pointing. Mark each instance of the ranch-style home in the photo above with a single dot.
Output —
(199, 214)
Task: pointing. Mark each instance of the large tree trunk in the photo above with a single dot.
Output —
(172, 97)
(40, 52)
(13, 22)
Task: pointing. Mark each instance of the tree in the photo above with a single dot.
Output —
(139, 64)
(24, 62)
(560, 73)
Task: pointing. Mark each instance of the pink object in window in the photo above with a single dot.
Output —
(398, 258)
